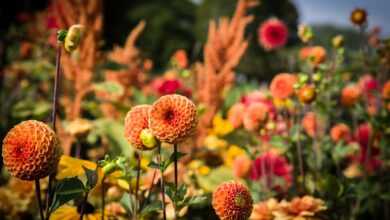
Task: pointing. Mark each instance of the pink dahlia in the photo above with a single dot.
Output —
(271, 166)
(273, 34)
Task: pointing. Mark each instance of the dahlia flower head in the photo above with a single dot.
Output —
(136, 120)
(271, 165)
(340, 132)
(31, 150)
(282, 85)
(350, 95)
(173, 118)
(232, 201)
(306, 207)
(264, 210)
(273, 34)
(315, 54)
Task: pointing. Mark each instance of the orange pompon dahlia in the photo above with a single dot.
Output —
(282, 85)
(234, 114)
(232, 201)
(136, 120)
(31, 150)
(386, 91)
(340, 132)
(172, 118)
(350, 95)
(254, 115)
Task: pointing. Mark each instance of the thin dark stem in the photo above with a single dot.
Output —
(56, 87)
(176, 164)
(48, 194)
(138, 156)
(175, 152)
(162, 182)
(150, 188)
(83, 205)
(57, 79)
(38, 195)
(103, 199)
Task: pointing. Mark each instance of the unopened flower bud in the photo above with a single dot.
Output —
(148, 139)
(317, 77)
(305, 33)
(73, 37)
(338, 41)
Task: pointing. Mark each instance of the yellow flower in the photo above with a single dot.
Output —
(67, 212)
(221, 127)
(204, 170)
(71, 167)
(231, 154)
(212, 142)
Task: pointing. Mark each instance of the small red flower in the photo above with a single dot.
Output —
(270, 165)
(273, 34)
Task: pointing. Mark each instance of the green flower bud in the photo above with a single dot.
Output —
(317, 77)
(148, 139)
(338, 41)
(73, 37)
(302, 78)
(109, 168)
(305, 33)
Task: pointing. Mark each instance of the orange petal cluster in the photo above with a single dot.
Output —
(31, 150)
(172, 118)
(136, 120)
(282, 85)
(350, 95)
(232, 201)
(340, 132)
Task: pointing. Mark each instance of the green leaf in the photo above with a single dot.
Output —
(152, 207)
(65, 191)
(217, 176)
(128, 202)
(197, 200)
(92, 177)
(154, 165)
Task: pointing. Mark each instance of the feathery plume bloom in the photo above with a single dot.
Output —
(136, 120)
(350, 95)
(340, 132)
(263, 210)
(304, 208)
(31, 150)
(172, 118)
(269, 165)
(358, 16)
(232, 201)
(254, 115)
(282, 85)
(273, 34)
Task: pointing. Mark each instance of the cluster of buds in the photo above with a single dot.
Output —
(305, 87)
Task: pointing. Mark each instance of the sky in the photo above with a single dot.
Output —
(338, 11)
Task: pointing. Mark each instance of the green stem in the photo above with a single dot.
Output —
(83, 205)
(162, 182)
